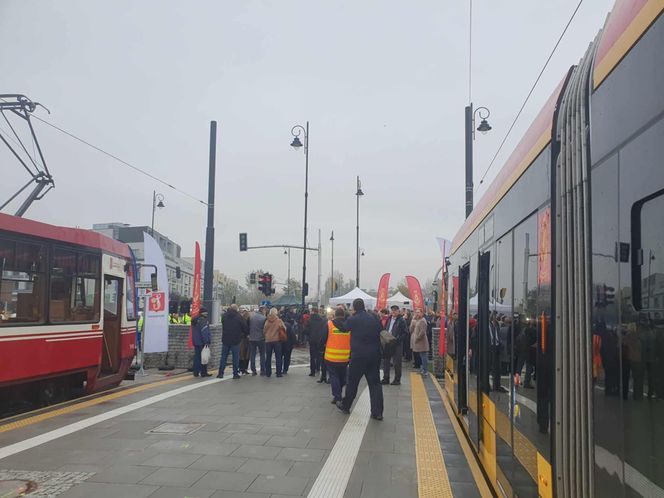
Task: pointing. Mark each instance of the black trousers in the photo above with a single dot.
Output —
(286, 350)
(314, 357)
(370, 369)
(397, 359)
(322, 363)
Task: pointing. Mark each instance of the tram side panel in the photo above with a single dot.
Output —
(627, 182)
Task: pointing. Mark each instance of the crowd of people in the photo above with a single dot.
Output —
(344, 346)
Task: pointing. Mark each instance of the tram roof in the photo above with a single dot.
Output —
(77, 236)
(628, 21)
(533, 142)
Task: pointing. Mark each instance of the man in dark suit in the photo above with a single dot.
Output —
(396, 326)
(364, 359)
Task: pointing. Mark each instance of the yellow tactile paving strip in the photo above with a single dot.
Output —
(432, 478)
(25, 422)
(479, 477)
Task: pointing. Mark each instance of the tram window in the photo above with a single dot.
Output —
(75, 287)
(22, 283)
(648, 260)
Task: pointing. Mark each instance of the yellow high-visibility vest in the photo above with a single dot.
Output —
(337, 349)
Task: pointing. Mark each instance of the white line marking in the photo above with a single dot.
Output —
(27, 444)
(335, 474)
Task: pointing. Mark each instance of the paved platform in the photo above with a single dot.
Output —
(249, 438)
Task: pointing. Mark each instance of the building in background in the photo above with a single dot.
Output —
(180, 287)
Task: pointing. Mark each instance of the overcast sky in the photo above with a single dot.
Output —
(382, 82)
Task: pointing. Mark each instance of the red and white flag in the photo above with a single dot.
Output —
(383, 286)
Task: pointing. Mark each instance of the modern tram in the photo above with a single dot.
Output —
(67, 313)
(555, 348)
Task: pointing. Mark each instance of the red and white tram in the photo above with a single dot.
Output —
(67, 314)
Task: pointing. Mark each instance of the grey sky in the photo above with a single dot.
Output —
(382, 82)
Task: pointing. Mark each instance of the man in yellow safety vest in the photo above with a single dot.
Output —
(337, 353)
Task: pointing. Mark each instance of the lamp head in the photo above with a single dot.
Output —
(161, 205)
(484, 127)
(296, 143)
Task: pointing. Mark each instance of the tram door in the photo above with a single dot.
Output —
(110, 355)
(461, 344)
(478, 345)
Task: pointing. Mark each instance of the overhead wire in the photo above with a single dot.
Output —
(120, 160)
(532, 89)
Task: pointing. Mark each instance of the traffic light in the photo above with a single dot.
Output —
(269, 290)
(609, 294)
(305, 290)
(262, 282)
(243, 242)
(252, 279)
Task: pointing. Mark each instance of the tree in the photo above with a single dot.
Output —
(402, 287)
(293, 287)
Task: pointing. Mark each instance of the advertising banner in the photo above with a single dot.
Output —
(196, 300)
(415, 292)
(544, 248)
(383, 286)
(156, 312)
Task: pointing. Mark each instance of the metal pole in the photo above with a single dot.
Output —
(288, 285)
(319, 268)
(154, 206)
(332, 267)
(209, 232)
(469, 159)
(357, 237)
(306, 197)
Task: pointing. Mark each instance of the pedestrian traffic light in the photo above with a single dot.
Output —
(243, 242)
(305, 290)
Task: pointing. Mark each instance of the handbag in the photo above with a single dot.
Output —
(388, 344)
(283, 337)
(205, 355)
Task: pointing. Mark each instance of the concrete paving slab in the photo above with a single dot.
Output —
(254, 451)
(302, 454)
(171, 460)
(289, 485)
(179, 492)
(227, 481)
(106, 490)
(123, 474)
(174, 477)
(225, 463)
(266, 467)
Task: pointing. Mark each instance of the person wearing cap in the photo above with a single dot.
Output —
(200, 337)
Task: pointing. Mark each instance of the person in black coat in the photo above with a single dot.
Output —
(200, 337)
(234, 328)
(396, 325)
(316, 330)
(287, 347)
(364, 359)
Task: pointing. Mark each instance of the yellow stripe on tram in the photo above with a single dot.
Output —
(18, 424)
(432, 478)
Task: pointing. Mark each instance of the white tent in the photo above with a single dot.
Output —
(347, 299)
(400, 300)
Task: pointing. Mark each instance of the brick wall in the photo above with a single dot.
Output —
(178, 354)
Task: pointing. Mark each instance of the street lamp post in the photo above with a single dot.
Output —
(484, 127)
(296, 144)
(157, 202)
(332, 266)
(287, 251)
(357, 234)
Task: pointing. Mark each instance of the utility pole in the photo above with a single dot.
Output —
(357, 234)
(332, 268)
(209, 232)
(320, 260)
